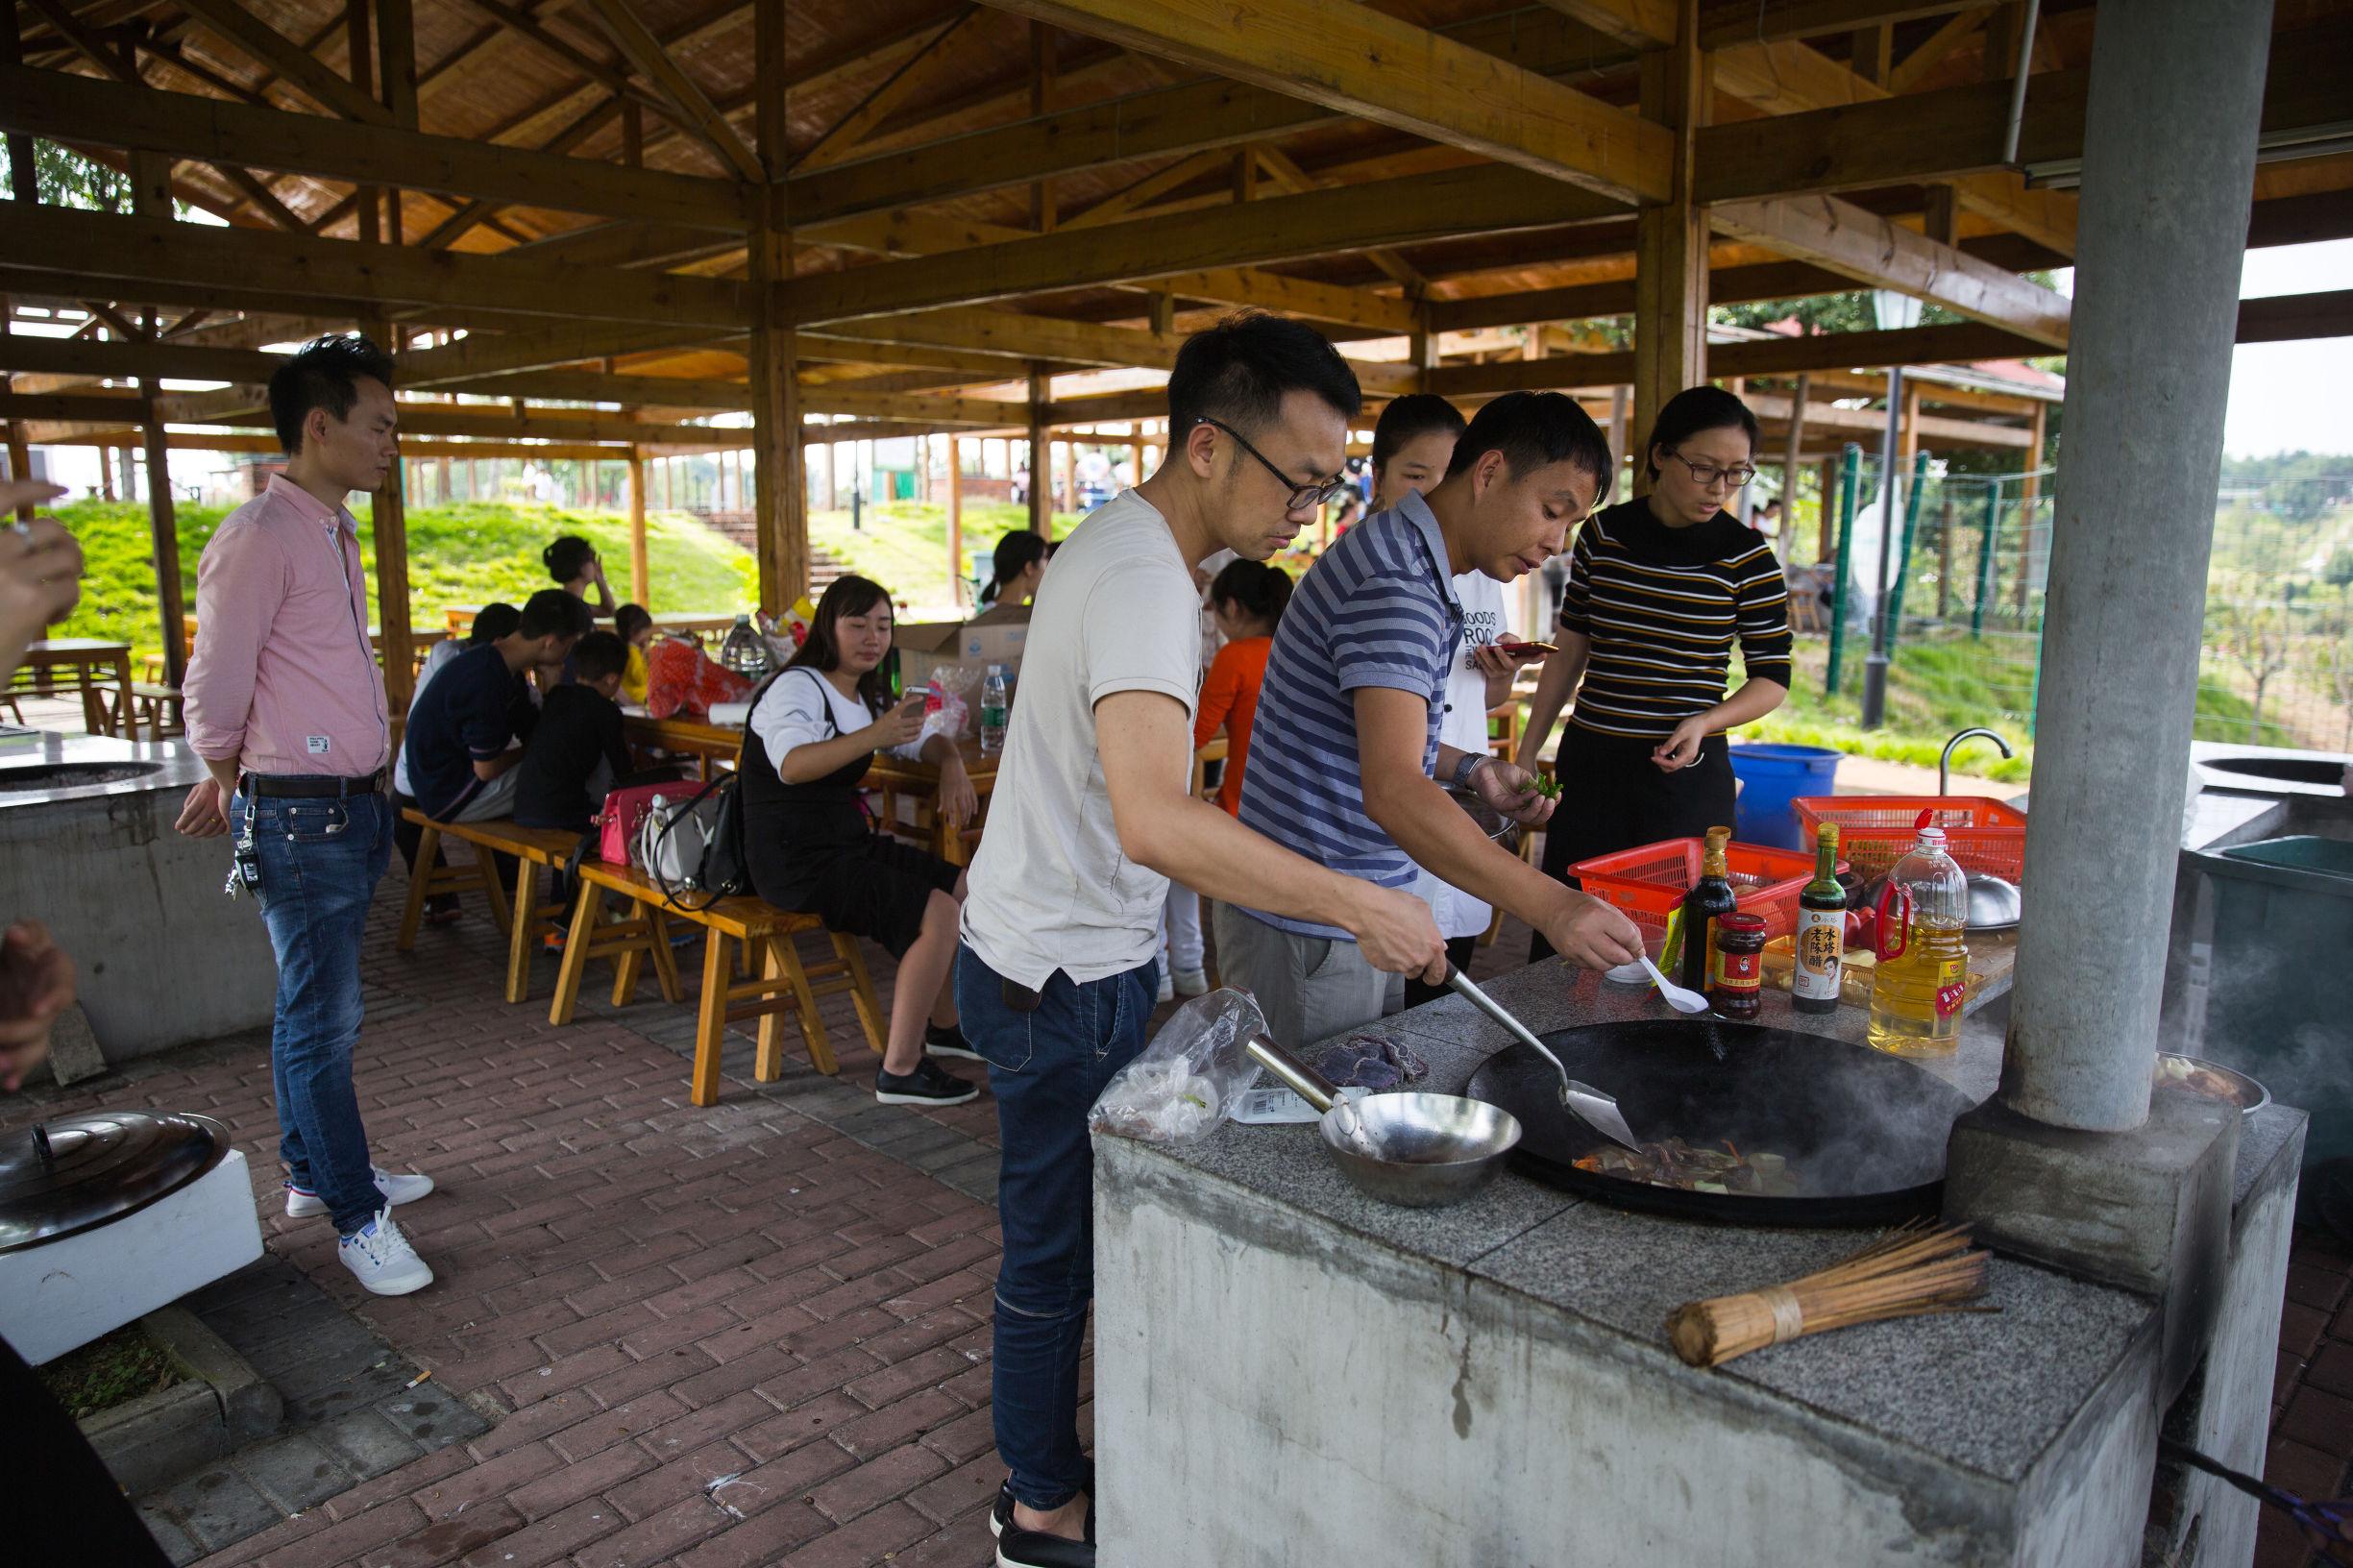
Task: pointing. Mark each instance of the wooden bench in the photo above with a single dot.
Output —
(784, 983)
(522, 925)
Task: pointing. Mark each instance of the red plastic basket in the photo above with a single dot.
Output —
(1875, 830)
(1649, 883)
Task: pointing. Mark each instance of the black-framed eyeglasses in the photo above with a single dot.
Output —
(1303, 496)
(1707, 476)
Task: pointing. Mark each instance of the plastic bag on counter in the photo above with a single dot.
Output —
(1185, 1081)
(954, 697)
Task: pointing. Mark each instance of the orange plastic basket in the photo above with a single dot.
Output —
(1649, 883)
(1983, 835)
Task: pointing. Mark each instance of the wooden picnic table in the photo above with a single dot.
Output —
(93, 663)
(461, 621)
(893, 777)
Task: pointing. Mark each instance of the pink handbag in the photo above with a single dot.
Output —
(624, 813)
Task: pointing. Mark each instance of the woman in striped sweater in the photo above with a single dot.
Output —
(1660, 587)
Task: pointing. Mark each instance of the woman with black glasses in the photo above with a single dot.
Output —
(1660, 587)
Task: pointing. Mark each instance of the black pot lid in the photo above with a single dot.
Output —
(76, 1173)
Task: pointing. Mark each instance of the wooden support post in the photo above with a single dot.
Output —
(1621, 439)
(24, 175)
(1826, 539)
(782, 520)
(1422, 348)
(1040, 458)
(955, 517)
(1042, 73)
(396, 39)
(1671, 237)
(1070, 478)
(2029, 492)
(1943, 559)
(359, 47)
(640, 574)
(1790, 449)
(388, 516)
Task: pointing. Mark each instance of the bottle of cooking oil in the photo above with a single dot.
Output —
(1922, 969)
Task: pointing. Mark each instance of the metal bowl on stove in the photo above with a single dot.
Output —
(1994, 904)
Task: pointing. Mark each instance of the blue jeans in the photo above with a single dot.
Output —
(1047, 1067)
(321, 858)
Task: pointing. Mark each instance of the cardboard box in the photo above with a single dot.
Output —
(924, 646)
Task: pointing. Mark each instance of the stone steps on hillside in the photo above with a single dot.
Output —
(741, 528)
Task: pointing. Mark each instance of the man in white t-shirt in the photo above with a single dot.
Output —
(1091, 819)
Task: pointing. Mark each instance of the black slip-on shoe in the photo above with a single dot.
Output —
(1001, 1517)
(927, 1085)
(1032, 1549)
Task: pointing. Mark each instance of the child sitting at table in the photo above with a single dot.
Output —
(814, 730)
(635, 628)
(576, 751)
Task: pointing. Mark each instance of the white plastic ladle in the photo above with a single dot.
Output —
(1678, 998)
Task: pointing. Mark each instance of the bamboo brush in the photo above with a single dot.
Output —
(1912, 1271)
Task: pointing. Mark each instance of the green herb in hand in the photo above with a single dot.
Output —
(1542, 784)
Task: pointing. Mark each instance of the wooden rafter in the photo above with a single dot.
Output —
(283, 54)
(646, 51)
(1362, 62)
(1845, 239)
(1776, 21)
(917, 72)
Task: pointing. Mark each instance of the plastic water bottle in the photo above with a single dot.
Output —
(745, 653)
(992, 711)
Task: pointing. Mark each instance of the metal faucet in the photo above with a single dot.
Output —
(1944, 759)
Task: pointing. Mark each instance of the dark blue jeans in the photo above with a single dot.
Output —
(321, 858)
(1046, 1068)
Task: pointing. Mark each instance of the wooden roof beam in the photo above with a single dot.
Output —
(1776, 21)
(1954, 132)
(646, 51)
(1478, 200)
(300, 69)
(139, 248)
(1846, 240)
(75, 109)
(1361, 62)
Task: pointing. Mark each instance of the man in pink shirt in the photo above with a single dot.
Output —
(286, 708)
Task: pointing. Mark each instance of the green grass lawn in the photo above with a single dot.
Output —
(903, 545)
(468, 553)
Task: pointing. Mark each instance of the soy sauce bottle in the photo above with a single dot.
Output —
(1709, 899)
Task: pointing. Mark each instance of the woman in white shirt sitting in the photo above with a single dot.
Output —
(814, 848)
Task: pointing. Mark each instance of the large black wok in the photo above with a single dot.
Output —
(1864, 1133)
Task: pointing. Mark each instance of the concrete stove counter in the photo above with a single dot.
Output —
(87, 844)
(1288, 1372)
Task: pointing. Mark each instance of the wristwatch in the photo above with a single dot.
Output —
(1466, 764)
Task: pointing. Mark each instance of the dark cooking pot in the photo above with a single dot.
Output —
(1863, 1131)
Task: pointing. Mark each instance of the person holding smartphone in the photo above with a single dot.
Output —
(815, 727)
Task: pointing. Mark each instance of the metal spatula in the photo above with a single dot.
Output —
(1589, 1105)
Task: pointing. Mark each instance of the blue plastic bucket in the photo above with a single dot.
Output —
(1771, 778)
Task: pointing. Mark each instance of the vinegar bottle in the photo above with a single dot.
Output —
(1709, 899)
(1822, 931)
(1923, 971)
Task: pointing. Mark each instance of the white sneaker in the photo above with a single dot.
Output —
(398, 1187)
(380, 1258)
(1191, 983)
(1167, 987)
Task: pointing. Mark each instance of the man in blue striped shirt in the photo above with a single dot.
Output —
(1345, 760)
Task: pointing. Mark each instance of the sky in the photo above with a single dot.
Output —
(2290, 397)
(2287, 397)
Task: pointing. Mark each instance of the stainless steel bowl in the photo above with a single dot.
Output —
(1419, 1150)
(1993, 904)
(2173, 1068)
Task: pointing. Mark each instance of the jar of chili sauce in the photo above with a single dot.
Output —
(1737, 984)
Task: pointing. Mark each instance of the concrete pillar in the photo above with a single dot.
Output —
(2167, 176)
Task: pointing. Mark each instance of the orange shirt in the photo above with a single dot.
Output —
(1229, 701)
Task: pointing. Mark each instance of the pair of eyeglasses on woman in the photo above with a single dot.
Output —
(1303, 496)
(1708, 476)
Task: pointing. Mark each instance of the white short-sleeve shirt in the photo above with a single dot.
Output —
(792, 711)
(1051, 889)
(1464, 728)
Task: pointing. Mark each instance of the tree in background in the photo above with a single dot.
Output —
(2258, 639)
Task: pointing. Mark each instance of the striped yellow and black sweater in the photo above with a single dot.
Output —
(1661, 607)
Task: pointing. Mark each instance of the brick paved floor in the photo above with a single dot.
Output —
(751, 1334)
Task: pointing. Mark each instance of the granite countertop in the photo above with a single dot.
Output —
(1988, 1392)
(26, 776)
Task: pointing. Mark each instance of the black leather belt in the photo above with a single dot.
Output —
(301, 787)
